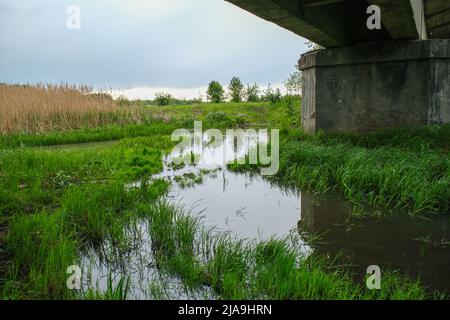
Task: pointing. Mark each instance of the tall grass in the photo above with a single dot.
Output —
(40, 108)
(239, 269)
(407, 170)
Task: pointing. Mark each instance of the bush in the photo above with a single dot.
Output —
(272, 96)
(291, 103)
(241, 120)
(217, 117)
(163, 99)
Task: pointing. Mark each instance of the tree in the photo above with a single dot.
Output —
(236, 89)
(252, 93)
(294, 83)
(163, 99)
(215, 92)
(272, 96)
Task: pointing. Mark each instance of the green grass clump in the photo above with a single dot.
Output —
(42, 252)
(44, 244)
(55, 202)
(413, 179)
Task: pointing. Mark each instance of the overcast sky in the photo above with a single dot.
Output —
(176, 44)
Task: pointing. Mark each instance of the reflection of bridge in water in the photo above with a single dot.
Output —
(420, 247)
(398, 75)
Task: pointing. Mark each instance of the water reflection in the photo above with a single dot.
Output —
(250, 207)
(420, 248)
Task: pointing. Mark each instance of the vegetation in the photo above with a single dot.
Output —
(294, 83)
(402, 169)
(57, 202)
(215, 93)
(163, 99)
(41, 108)
(271, 95)
(252, 93)
(236, 89)
(272, 269)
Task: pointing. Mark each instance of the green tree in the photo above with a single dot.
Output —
(294, 83)
(215, 92)
(252, 93)
(236, 89)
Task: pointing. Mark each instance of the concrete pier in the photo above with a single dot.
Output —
(376, 85)
(394, 76)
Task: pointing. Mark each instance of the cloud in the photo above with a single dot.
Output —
(138, 43)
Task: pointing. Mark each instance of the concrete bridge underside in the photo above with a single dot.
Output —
(368, 79)
(334, 23)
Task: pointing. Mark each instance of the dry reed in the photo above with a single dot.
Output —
(41, 108)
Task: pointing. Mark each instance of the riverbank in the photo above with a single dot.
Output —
(405, 170)
(58, 203)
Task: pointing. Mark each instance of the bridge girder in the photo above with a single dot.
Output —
(334, 23)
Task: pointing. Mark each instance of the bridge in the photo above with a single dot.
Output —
(368, 78)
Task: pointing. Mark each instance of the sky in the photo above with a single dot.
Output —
(143, 46)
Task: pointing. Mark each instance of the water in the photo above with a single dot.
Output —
(248, 206)
(253, 208)
(419, 248)
(105, 262)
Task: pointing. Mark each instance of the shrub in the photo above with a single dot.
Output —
(163, 99)
(217, 116)
(272, 96)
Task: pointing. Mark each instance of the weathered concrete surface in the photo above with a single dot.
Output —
(377, 85)
(437, 13)
(404, 19)
(334, 23)
(287, 18)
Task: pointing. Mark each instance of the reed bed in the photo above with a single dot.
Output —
(44, 107)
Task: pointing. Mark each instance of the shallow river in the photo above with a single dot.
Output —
(254, 208)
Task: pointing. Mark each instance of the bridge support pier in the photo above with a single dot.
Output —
(376, 85)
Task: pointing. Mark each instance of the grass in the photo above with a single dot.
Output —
(99, 134)
(87, 204)
(273, 269)
(58, 201)
(232, 114)
(389, 169)
(152, 121)
(46, 243)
